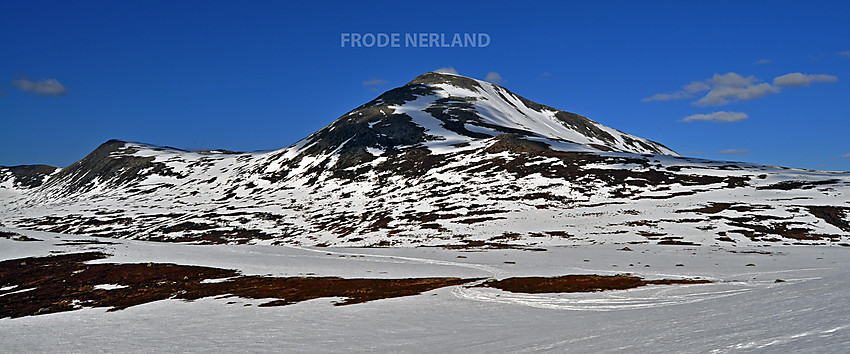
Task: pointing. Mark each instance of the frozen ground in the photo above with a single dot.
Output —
(745, 310)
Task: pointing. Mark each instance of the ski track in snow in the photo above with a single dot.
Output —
(767, 343)
(638, 298)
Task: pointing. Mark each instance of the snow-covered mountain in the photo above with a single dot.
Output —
(443, 160)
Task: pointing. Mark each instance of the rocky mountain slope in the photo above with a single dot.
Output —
(443, 160)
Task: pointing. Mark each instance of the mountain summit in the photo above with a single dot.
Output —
(441, 111)
(442, 160)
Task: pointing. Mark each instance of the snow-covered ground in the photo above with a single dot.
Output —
(744, 310)
(443, 160)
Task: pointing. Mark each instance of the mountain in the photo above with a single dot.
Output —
(443, 160)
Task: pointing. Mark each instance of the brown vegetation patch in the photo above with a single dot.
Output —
(666, 196)
(507, 236)
(99, 222)
(674, 242)
(484, 245)
(714, 208)
(561, 234)
(479, 219)
(16, 236)
(211, 237)
(751, 252)
(580, 283)
(41, 285)
(636, 223)
(835, 216)
(792, 185)
(683, 220)
(187, 226)
(516, 145)
(85, 242)
(725, 239)
(783, 230)
(601, 147)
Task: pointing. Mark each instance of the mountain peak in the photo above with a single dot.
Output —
(436, 78)
(443, 112)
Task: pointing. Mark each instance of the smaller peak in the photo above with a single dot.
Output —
(115, 144)
(111, 142)
(107, 148)
(111, 145)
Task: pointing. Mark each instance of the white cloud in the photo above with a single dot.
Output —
(721, 94)
(763, 61)
(801, 80)
(845, 53)
(845, 156)
(696, 87)
(375, 82)
(494, 77)
(721, 116)
(447, 70)
(545, 76)
(687, 91)
(678, 95)
(733, 152)
(732, 80)
(45, 87)
(731, 87)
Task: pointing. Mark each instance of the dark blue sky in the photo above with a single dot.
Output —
(261, 75)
